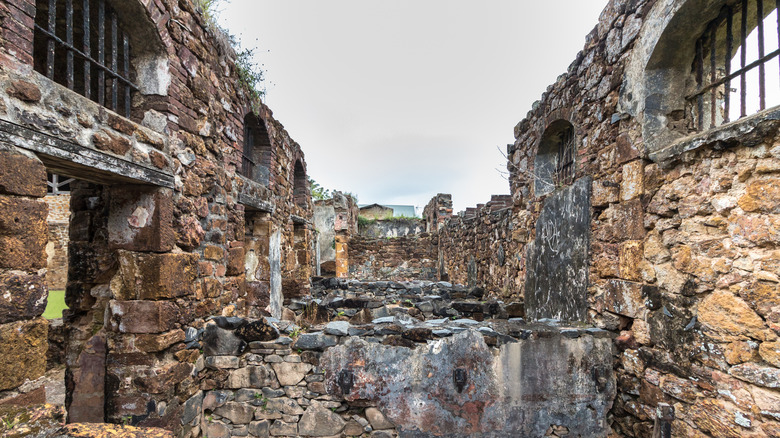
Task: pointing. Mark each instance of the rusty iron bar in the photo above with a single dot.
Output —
(101, 51)
(729, 49)
(114, 63)
(126, 71)
(713, 75)
(97, 64)
(52, 24)
(247, 165)
(88, 53)
(69, 39)
(699, 61)
(761, 67)
(742, 61)
(739, 72)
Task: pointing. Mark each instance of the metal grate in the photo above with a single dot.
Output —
(711, 104)
(102, 48)
(57, 185)
(247, 165)
(564, 164)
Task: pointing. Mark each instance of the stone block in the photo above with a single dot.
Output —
(770, 352)
(762, 196)
(88, 395)
(21, 174)
(259, 428)
(141, 219)
(237, 413)
(624, 221)
(631, 260)
(142, 316)
(251, 377)
(625, 149)
(111, 142)
(220, 342)
(163, 379)
(23, 348)
(624, 298)
(144, 276)
(235, 265)
(155, 343)
(290, 374)
(280, 428)
(320, 421)
(605, 192)
(378, 420)
(25, 91)
(23, 233)
(632, 186)
(22, 296)
(727, 317)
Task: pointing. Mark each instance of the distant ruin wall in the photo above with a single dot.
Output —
(391, 228)
(402, 258)
(486, 250)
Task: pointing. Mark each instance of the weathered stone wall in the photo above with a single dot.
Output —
(335, 216)
(484, 249)
(399, 375)
(402, 258)
(682, 249)
(391, 228)
(158, 238)
(437, 211)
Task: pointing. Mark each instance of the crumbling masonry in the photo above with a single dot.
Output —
(627, 286)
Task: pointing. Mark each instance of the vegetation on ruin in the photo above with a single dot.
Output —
(250, 74)
(318, 193)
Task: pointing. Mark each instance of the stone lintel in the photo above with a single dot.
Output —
(70, 159)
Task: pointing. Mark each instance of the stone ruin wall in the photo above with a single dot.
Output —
(401, 258)
(482, 249)
(158, 234)
(334, 218)
(57, 247)
(683, 253)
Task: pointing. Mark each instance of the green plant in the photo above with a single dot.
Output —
(210, 418)
(341, 313)
(317, 191)
(126, 420)
(249, 73)
(364, 221)
(295, 333)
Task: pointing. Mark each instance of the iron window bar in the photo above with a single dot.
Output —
(247, 164)
(709, 89)
(104, 15)
(56, 185)
(564, 168)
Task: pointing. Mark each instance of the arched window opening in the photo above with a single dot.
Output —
(554, 164)
(736, 65)
(256, 158)
(300, 185)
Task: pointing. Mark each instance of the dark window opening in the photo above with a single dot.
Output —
(256, 157)
(300, 185)
(554, 166)
(736, 65)
(80, 44)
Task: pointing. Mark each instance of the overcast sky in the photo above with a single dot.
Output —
(397, 100)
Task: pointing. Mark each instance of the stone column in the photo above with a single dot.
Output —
(23, 292)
